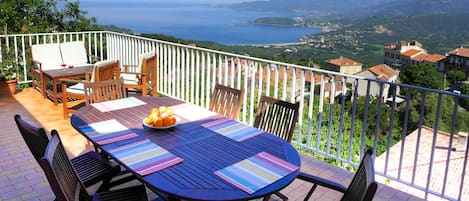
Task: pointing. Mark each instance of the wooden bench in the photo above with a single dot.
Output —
(52, 56)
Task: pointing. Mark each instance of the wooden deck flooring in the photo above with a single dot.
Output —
(21, 178)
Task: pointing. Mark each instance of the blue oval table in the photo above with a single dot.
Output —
(202, 150)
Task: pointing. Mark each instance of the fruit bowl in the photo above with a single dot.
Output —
(161, 118)
(159, 127)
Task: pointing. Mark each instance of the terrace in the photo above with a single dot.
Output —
(414, 161)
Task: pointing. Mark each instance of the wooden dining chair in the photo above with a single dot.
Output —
(90, 167)
(362, 188)
(277, 117)
(226, 101)
(104, 90)
(142, 76)
(103, 70)
(66, 184)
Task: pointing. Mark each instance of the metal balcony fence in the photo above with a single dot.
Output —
(419, 135)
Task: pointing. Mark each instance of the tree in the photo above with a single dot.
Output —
(424, 75)
(26, 16)
(465, 91)
(455, 76)
(75, 19)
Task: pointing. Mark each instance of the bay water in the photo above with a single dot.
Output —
(192, 21)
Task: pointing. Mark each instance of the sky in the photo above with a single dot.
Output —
(174, 1)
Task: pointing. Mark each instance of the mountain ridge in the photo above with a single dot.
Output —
(358, 8)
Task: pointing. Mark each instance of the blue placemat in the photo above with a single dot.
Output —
(232, 129)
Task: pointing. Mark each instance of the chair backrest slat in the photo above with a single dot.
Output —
(363, 186)
(226, 101)
(60, 173)
(105, 70)
(104, 90)
(149, 63)
(277, 117)
(36, 138)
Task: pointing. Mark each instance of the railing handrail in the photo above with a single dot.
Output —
(249, 58)
(238, 55)
(52, 33)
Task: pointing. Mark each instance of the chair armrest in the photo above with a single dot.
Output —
(88, 75)
(130, 69)
(35, 61)
(94, 58)
(321, 181)
(37, 64)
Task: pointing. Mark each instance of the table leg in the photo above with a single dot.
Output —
(54, 88)
(43, 85)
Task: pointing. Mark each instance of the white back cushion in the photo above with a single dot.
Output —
(141, 58)
(48, 54)
(74, 53)
(100, 64)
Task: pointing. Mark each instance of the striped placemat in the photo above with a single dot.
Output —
(256, 172)
(118, 104)
(106, 132)
(145, 157)
(232, 129)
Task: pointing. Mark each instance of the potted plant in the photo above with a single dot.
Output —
(8, 76)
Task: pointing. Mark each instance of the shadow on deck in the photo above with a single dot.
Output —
(21, 178)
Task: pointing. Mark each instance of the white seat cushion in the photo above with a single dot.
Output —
(76, 89)
(48, 54)
(129, 78)
(74, 53)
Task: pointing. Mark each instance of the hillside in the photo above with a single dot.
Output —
(362, 41)
(359, 8)
(365, 40)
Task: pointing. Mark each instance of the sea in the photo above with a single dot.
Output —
(192, 21)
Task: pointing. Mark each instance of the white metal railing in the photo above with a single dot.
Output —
(21, 45)
(340, 114)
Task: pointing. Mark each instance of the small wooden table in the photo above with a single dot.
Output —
(203, 150)
(69, 73)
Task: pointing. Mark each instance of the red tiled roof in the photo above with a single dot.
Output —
(432, 58)
(419, 57)
(462, 51)
(342, 61)
(411, 52)
(392, 46)
(383, 71)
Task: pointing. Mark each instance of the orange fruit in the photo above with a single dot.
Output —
(167, 122)
(173, 120)
(170, 120)
(158, 123)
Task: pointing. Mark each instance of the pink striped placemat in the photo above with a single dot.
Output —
(145, 157)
